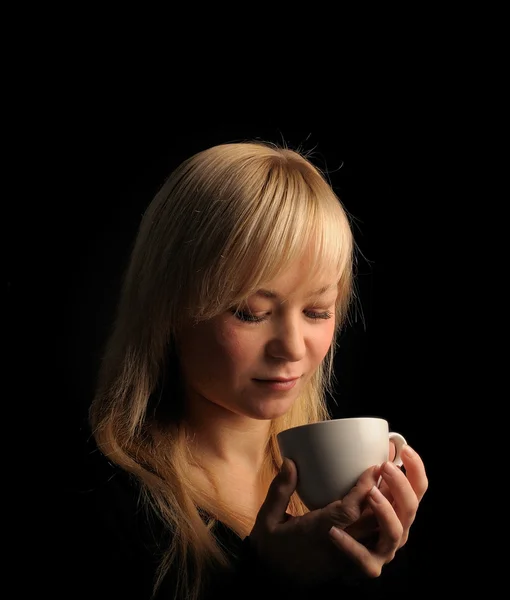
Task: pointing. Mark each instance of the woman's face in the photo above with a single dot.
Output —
(256, 362)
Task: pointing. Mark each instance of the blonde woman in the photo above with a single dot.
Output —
(239, 281)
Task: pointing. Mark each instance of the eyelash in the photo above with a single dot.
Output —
(247, 317)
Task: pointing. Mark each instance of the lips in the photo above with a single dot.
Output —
(278, 379)
(277, 384)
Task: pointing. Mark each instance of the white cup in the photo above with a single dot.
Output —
(330, 456)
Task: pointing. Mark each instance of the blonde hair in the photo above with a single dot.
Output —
(226, 220)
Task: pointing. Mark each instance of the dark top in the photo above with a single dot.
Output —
(109, 549)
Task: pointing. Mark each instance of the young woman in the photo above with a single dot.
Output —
(239, 281)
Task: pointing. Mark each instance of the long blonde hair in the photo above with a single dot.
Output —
(227, 220)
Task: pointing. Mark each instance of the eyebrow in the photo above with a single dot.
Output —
(321, 291)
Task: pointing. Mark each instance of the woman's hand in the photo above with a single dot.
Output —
(300, 548)
(402, 492)
(307, 549)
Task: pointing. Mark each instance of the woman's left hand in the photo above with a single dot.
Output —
(384, 526)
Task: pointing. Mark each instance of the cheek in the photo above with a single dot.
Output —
(213, 349)
(235, 347)
(322, 341)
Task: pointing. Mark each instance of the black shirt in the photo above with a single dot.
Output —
(109, 549)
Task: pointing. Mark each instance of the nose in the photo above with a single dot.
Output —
(287, 341)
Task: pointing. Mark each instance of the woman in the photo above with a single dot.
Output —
(238, 284)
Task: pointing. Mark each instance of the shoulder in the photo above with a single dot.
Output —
(108, 545)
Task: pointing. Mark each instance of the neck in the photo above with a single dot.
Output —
(224, 439)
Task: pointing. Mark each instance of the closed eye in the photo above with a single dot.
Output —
(247, 316)
(311, 314)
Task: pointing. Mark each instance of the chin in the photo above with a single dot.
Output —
(267, 411)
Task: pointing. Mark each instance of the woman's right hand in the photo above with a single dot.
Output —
(300, 547)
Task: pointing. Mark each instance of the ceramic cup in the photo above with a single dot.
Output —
(330, 456)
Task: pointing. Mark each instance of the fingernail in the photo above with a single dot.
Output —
(336, 533)
(375, 494)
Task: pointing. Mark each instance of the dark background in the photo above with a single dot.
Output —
(103, 169)
(96, 112)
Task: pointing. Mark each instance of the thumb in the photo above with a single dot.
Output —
(272, 511)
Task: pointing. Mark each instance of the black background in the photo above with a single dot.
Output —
(102, 168)
(96, 110)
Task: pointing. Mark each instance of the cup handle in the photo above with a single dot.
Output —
(399, 442)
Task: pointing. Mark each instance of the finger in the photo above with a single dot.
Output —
(273, 509)
(415, 471)
(365, 527)
(391, 529)
(369, 563)
(348, 510)
(393, 451)
(405, 501)
(385, 490)
(384, 521)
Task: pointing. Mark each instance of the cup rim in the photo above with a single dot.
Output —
(330, 421)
